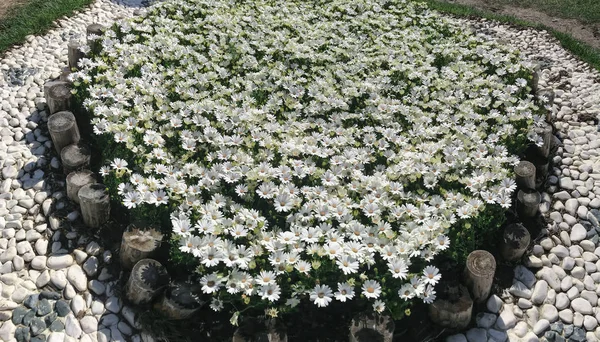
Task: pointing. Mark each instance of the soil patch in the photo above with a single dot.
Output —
(588, 33)
(6, 5)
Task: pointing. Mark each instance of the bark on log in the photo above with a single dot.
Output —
(546, 134)
(525, 175)
(64, 75)
(95, 204)
(516, 239)
(58, 97)
(63, 130)
(528, 203)
(454, 314)
(536, 79)
(75, 157)
(76, 180)
(255, 330)
(479, 274)
(548, 95)
(75, 54)
(371, 326)
(138, 244)
(147, 279)
(180, 300)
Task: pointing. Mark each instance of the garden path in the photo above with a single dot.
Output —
(56, 284)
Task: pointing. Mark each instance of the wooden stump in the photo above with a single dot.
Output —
(256, 330)
(549, 102)
(63, 130)
(536, 79)
(546, 134)
(180, 300)
(75, 54)
(453, 313)
(75, 157)
(95, 29)
(76, 180)
(58, 97)
(95, 204)
(525, 175)
(479, 274)
(516, 239)
(528, 203)
(371, 326)
(146, 280)
(138, 244)
(64, 75)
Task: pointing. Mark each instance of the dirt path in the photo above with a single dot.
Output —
(5, 5)
(589, 34)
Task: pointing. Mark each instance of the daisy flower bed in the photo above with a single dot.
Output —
(307, 152)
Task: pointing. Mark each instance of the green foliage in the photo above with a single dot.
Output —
(482, 232)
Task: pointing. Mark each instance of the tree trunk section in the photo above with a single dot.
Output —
(479, 274)
(138, 244)
(453, 314)
(256, 330)
(63, 130)
(58, 97)
(76, 180)
(180, 300)
(146, 280)
(75, 157)
(95, 204)
(546, 134)
(371, 326)
(75, 55)
(97, 30)
(528, 203)
(525, 175)
(516, 239)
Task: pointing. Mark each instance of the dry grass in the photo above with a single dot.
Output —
(6, 5)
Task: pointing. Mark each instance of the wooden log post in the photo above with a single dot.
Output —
(525, 175)
(75, 54)
(515, 241)
(454, 313)
(138, 244)
(528, 203)
(180, 300)
(75, 157)
(371, 326)
(64, 75)
(63, 130)
(257, 330)
(95, 30)
(546, 134)
(147, 279)
(95, 204)
(537, 74)
(479, 274)
(546, 97)
(76, 180)
(58, 97)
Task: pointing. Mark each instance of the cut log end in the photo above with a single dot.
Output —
(75, 157)
(63, 130)
(95, 204)
(138, 244)
(180, 300)
(76, 180)
(58, 97)
(146, 280)
(371, 326)
(525, 175)
(516, 239)
(479, 274)
(95, 29)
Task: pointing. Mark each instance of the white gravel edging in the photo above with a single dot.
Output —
(554, 296)
(60, 293)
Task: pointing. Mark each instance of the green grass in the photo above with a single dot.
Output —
(585, 52)
(34, 17)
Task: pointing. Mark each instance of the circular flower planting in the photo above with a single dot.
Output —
(315, 151)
